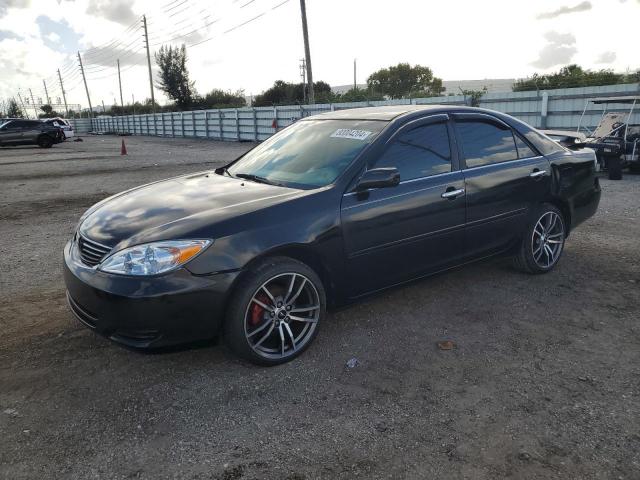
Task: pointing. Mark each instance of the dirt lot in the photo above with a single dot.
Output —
(544, 382)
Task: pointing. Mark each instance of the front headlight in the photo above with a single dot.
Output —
(153, 258)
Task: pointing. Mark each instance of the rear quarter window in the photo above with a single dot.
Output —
(544, 144)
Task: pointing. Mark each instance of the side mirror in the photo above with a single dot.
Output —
(379, 178)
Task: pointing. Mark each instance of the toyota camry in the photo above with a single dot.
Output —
(331, 209)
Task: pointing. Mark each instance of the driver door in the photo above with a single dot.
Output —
(397, 233)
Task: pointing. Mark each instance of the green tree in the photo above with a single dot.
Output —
(174, 76)
(403, 80)
(358, 95)
(473, 97)
(573, 76)
(217, 98)
(13, 111)
(285, 93)
(48, 112)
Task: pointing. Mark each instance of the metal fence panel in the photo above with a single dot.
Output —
(564, 110)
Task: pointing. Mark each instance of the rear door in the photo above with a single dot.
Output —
(504, 178)
(397, 233)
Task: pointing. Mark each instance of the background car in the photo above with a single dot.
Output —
(64, 125)
(331, 209)
(29, 132)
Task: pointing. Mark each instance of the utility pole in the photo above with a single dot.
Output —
(120, 85)
(355, 84)
(84, 79)
(146, 41)
(23, 107)
(35, 110)
(303, 75)
(103, 109)
(307, 51)
(46, 92)
(64, 94)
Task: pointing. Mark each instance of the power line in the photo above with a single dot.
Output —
(166, 10)
(106, 54)
(116, 40)
(240, 25)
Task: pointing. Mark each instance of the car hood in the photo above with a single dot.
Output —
(177, 208)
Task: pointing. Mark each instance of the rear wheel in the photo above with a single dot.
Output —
(543, 241)
(275, 312)
(614, 165)
(45, 141)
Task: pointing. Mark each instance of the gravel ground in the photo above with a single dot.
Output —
(543, 382)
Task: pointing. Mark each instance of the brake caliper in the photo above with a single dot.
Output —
(257, 312)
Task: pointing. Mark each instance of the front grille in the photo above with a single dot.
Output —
(81, 314)
(91, 252)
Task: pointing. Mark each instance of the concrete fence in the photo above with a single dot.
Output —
(553, 109)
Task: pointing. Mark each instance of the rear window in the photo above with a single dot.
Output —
(543, 143)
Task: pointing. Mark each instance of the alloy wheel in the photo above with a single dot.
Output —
(282, 316)
(548, 239)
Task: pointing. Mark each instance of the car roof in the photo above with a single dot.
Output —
(390, 112)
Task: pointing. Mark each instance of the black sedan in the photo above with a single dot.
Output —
(335, 207)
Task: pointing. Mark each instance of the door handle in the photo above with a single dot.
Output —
(451, 194)
(537, 173)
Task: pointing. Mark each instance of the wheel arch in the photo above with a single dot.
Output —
(564, 207)
(304, 254)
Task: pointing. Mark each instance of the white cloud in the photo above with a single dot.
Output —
(53, 37)
(564, 10)
(559, 50)
(606, 57)
(118, 11)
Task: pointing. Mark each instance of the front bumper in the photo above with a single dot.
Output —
(146, 312)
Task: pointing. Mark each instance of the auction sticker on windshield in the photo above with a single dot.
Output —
(352, 134)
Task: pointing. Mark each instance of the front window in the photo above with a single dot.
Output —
(420, 152)
(308, 154)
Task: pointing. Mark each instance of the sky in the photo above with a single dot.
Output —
(248, 44)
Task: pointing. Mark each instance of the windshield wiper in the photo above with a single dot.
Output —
(257, 178)
(222, 171)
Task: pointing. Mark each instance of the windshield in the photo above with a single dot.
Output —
(3, 123)
(308, 154)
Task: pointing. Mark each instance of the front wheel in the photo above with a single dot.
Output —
(543, 241)
(274, 314)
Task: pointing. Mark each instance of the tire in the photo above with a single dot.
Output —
(531, 256)
(614, 165)
(45, 141)
(634, 167)
(260, 325)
